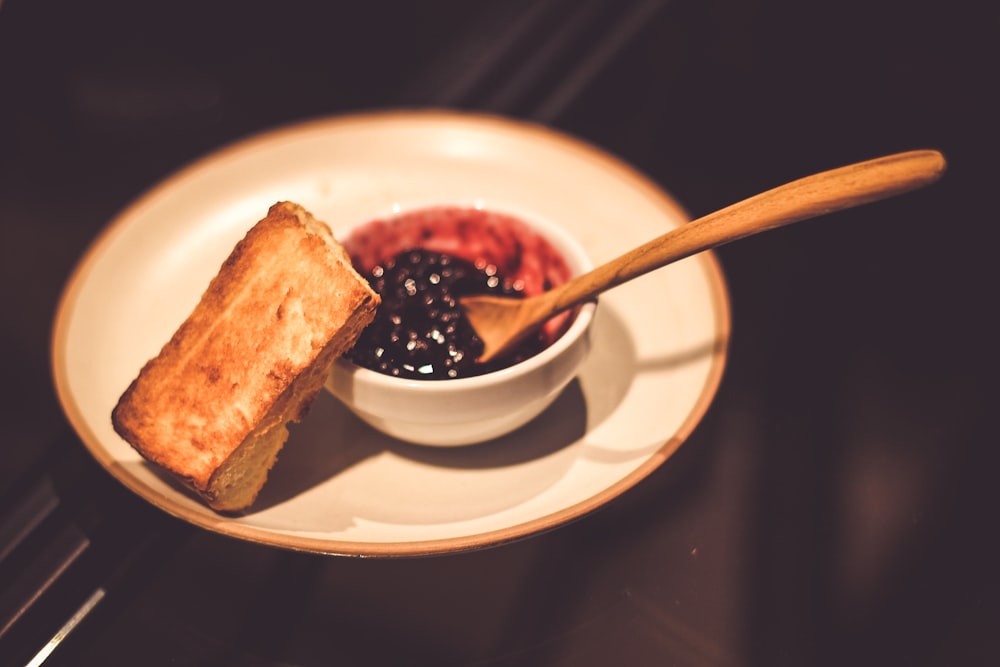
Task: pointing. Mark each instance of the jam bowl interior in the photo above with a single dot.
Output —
(487, 402)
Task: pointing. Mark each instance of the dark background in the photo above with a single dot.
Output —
(837, 504)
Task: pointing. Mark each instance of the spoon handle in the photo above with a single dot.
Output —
(825, 192)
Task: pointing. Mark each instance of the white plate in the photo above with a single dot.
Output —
(339, 487)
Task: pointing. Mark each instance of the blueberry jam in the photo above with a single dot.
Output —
(420, 331)
(421, 261)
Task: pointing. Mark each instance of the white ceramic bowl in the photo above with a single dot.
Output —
(471, 410)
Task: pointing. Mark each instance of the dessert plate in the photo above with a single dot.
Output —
(339, 487)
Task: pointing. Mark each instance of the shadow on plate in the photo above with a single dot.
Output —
(563, 423)
(332, 440)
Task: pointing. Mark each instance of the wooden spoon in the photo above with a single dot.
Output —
(502, 322)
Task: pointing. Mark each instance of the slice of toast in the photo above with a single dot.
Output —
(213, 406)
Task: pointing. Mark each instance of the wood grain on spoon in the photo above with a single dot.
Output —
(502, 322)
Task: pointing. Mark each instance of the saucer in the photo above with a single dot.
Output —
(339, 487)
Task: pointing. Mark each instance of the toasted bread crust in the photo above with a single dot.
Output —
(250, 357)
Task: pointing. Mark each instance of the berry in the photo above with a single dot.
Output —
(420, 331)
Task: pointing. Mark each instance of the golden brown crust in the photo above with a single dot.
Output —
(251, 356)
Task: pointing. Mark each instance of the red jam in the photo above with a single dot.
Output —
(422, 262)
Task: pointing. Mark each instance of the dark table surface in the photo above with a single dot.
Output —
(836, 505)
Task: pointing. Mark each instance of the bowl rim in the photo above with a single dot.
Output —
(560, 238)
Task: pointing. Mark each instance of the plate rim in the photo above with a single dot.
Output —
(228, 526)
